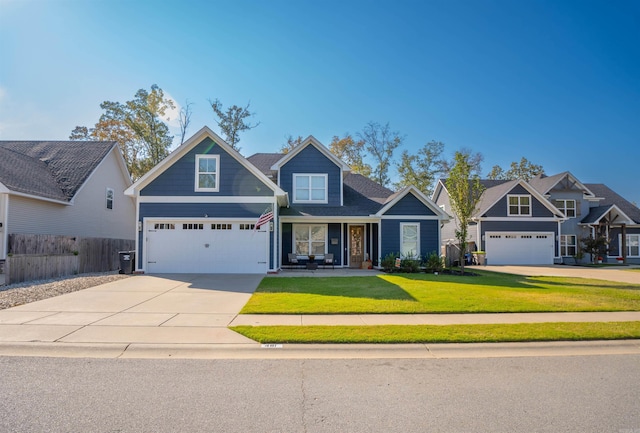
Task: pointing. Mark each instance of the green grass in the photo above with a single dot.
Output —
(395, 334)
(426, 293)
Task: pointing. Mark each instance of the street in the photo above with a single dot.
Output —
(532, 394)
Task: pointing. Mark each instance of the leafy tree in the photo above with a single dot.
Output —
(474, 159)
(594, 246)
(421, 170)
(380, 142)
(350, 151)
(524, 170)
(465, 190)
(291, 143)
(233, 121)
(136, 126)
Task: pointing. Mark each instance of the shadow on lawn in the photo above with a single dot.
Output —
(370, 287)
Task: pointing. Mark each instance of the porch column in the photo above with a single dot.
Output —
(623, 242)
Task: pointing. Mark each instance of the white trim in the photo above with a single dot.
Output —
(106, 198)
(37, 197)
(325, 176)
(543, 200)
(328, 219)
(629, 256)
(418, 246)
(410, 217)
(564, 208)
(198, 188)
(206, 199)
(515, 218)
(4, 232)
(438, 213)
(310, 140)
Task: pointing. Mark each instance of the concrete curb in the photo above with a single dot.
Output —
(321, 351)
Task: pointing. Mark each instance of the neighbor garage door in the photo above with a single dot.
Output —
(509, 248)
(205, 247)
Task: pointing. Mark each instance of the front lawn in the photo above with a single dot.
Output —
(488, 292)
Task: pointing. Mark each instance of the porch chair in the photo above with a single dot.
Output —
(328, 260)
(293, 260)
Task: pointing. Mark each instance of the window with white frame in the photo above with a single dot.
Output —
(409, 239)
(568, 207)
(309, 239)
(310, 188)
(519, 205)
(633, 245)
(109, 198)
(208, 173)
(568, 245)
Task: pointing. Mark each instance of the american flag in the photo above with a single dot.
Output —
(266, 216)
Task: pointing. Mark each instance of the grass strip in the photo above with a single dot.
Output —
(482, 333)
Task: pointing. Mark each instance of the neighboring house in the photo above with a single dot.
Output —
(72, 188)
(543, 220)
(197, 211)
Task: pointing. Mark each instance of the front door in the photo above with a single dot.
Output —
(356, 246)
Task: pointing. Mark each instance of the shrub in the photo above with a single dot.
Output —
(410, 265)
(388, 263)
(434, 263)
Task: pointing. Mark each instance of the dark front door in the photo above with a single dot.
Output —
(356, 246)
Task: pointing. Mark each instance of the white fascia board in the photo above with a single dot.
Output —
(310, 140)
(4, 189)
(324, 219)
(439, 213)
(37, 197)
(521, 219)
(411, 217)
(205, 199)
(185, 147)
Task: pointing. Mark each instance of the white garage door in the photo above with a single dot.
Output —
(517, 248)
(205, 247)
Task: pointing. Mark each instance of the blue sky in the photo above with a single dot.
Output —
(557, 82)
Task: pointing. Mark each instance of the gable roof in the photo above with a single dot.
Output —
(610, 198)
(395, 198)
(264, 161)
(310, 141)
(50, 170)
(543, 184)
(192, 142)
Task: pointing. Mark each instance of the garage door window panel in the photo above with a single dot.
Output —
(519, 205)
(207, 173)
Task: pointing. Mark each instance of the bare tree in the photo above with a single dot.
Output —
(380, 142)
(232, 121)
(184, 118)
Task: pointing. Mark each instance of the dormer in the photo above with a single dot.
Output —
(311, 175)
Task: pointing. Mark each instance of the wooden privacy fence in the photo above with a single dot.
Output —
(35, 257)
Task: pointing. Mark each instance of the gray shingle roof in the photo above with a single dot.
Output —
(264, 161)
(610, 198)
(50, 169)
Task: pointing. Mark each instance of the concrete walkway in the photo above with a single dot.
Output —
(187, 316)
(621, 274)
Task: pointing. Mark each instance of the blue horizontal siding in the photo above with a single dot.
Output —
(410, 205)
(390, 234)
(179, 179)
(311, 160)
(538, 209)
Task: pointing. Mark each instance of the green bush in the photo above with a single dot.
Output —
(410, 265)
(434, 263)
(388, 263)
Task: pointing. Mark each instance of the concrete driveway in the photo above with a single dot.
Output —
(619, 274)
(146, 309)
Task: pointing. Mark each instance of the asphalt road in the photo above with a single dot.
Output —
(536, 394)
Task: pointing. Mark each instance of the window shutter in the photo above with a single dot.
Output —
(578, 210)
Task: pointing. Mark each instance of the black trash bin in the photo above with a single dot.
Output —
(127, 261)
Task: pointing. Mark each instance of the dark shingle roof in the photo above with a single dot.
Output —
(264, 161)
(611, 198)
(49, 169)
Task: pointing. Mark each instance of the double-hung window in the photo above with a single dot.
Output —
(109, 198)
(310, 188)
(309, 239)
(519, 205)
(568, 245)
(568, 207)
(409, 239)
(633, 245)
(208, 173)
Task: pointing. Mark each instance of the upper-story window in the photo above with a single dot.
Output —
(519, 205)
(208, 173)
(109, 198)
(310, 188)
(568, 207)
